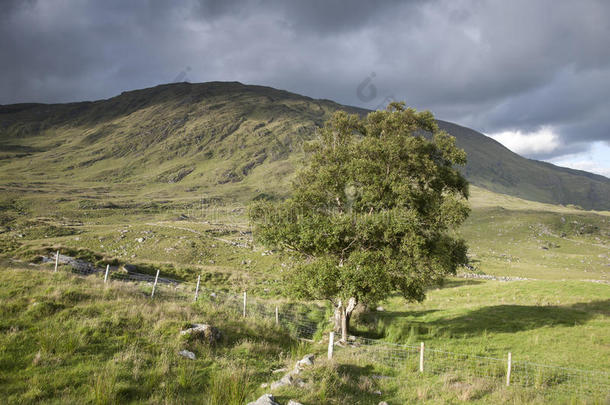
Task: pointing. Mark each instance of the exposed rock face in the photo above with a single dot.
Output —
(265, 399)
(79, 265)
(203, 332)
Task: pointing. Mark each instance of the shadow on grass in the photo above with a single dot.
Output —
(453, 283)
(516, 318)
(366, 324)
(497, 318)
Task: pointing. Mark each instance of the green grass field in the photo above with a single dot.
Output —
(66, 340)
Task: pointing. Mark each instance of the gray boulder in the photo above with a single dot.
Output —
(203, 332)
(265, 399)
(284, 381)
(187, 354)
(307, 360)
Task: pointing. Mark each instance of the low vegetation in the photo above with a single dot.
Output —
(71, 339)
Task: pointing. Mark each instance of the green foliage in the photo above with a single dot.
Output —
(372, 211)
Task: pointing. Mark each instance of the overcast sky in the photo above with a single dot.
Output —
(534, 75)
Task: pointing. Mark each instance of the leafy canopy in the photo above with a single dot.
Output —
(372, 212)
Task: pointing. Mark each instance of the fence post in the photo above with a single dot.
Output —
(509, 367)
(197, 289)
(106, 275)
(421, 357)
(56, 260)
(277, 316)
(331, 345)
(245, 299)
(155, 285)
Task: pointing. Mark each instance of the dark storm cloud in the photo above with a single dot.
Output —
(495, 66)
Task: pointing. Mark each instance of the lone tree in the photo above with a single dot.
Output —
(372, 213)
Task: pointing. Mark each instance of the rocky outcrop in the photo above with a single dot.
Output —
(203, 333)
(291, 378)
(491, 277)
(80, 266)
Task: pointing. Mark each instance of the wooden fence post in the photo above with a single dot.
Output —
(56, 260)
(277, 315)
(245, 299)
(197, 289)
(155, 285)
(331, 345)
(508, 368)
(421, 357)
(106, 275)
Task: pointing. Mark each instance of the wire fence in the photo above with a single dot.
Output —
(297, 318)
(302, 322)
(399, 359)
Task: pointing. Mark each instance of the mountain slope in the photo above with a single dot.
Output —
(225, 138)
(494, 167)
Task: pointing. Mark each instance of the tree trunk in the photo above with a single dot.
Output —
(342, 317)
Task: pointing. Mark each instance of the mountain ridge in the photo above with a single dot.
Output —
(207, 136)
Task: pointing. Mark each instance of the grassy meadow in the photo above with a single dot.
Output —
(66, 339)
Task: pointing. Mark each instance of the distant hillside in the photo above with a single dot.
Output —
(494, 167)
(226, 138)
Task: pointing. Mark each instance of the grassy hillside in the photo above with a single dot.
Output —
(67, 339)
(508, 236)
(494, 167)
(70, 340)
(222, 139)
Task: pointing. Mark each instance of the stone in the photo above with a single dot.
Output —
(130, 268)
(265, 399)
(187, 354)
(139, 240)
(293, 402)
(284, 381)
(383, 403)
(307, 360)
(377, 392)
(380, 309)
(203, 332)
